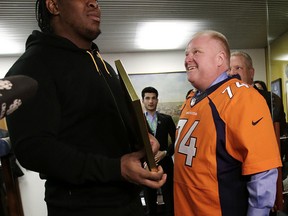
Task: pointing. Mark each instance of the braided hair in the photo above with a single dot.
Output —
(43, 16)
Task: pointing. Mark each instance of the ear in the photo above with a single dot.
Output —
(252, 72)
(220, 58)
(52, 6)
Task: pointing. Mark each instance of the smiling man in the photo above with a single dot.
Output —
(220, 165)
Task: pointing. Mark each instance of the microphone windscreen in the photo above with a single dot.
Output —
(14, 90)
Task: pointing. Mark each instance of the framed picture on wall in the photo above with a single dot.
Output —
(172, 88)
(276, 87)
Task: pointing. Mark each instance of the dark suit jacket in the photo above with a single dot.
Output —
(165, 127)
(276, 109)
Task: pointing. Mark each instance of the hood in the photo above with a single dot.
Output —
(48, 39)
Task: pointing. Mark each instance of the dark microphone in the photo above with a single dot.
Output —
(14, 90)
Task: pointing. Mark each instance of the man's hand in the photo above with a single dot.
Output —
(132, 171)
(160, 155)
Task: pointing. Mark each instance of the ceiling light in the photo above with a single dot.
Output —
(283, 57)
(161, 35)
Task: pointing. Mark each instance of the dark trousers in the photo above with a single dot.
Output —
(134, 208)
(167, 191)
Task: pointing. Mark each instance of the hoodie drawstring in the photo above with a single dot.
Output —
(97, 68)
(98, 54)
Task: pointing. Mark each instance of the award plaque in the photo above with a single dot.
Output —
(138, 118)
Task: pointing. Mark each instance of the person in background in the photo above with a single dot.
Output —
(220, 165)
(162, 127)
(241, 63)
(275, 105)
(260, 85)
(76, 131)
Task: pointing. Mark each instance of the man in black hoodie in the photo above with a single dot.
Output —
(76, 131)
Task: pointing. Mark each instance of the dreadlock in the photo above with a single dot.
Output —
(43, 16)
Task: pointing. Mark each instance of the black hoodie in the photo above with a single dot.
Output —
(76, 128)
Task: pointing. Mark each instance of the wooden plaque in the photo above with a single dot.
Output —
(137, 115)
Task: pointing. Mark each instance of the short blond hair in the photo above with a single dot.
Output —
(216, 36)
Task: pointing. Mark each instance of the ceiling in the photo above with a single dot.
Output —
(242, 21)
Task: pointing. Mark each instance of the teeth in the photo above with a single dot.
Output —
(192, 67)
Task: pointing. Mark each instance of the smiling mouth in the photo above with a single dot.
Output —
(189, 68)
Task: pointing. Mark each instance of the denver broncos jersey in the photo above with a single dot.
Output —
(223, 135)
